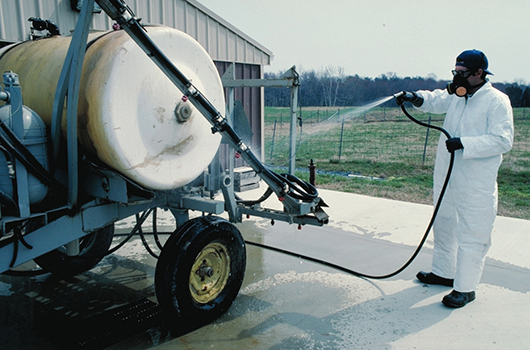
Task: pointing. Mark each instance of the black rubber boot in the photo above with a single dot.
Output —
(431, 278)
(458, 299)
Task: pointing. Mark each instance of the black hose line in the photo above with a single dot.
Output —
(425, 235)
(299, 189)
(155, 231)
(142, 237)
(10, 202)
(442, 130)
(25, 273)
(140, 220)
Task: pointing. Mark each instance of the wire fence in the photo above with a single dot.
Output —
(350, 136)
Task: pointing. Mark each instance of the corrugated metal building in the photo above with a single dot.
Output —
(225, 43)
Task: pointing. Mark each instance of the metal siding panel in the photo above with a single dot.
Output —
(213, 38)
(2, 23)
(6, 25)
(247, 92)
(240, 49)
(202, 29)
(256, 119)
(66, 18)
(160, 18)
(30, 6)
(15, 14)
(191, 21)
(254, 113)
(256, 57)
(181, 15)
(169, 13)
(101, 22)
(247, 96)
(53, 12)
(265, 59)
(149, 13)
(223, 44)
(249, 53)
(231, 47)
(157, 11)
(142, 10)
(135, 6)
(21, 16)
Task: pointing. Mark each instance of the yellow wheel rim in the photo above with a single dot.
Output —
(209, 273)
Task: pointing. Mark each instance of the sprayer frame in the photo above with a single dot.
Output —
(110, 192)
(97, 197)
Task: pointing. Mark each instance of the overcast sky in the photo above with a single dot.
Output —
(373, 37)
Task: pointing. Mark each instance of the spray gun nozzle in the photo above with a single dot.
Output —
(399, 94)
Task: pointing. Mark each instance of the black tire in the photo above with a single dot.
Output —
(92, 249)
(199, 272)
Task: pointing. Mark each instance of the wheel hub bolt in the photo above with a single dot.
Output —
(205, 271)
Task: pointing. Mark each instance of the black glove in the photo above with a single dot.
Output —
(411, 97)
(453, 144)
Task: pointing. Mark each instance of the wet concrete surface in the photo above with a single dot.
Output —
(286, 302)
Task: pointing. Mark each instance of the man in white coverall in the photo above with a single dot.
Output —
(480, 120)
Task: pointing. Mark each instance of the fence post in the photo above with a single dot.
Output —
(426, 140)
(312, 172)
(273, 135)
(301, 132)
(341, 133)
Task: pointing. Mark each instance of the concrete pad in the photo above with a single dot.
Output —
(290, 303)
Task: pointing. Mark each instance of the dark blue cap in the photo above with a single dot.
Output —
(473, 60)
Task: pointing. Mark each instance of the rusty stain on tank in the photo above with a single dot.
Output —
(176, 150)
(159, 115)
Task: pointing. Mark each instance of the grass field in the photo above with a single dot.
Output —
(381, 153)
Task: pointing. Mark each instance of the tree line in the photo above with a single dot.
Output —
(330, 87)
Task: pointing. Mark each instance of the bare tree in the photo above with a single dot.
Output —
(331, 78)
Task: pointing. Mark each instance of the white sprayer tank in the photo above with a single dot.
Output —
(130, 115)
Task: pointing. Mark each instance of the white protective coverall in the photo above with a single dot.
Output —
(462, 229)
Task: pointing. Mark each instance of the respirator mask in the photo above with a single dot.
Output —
(459, 85)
